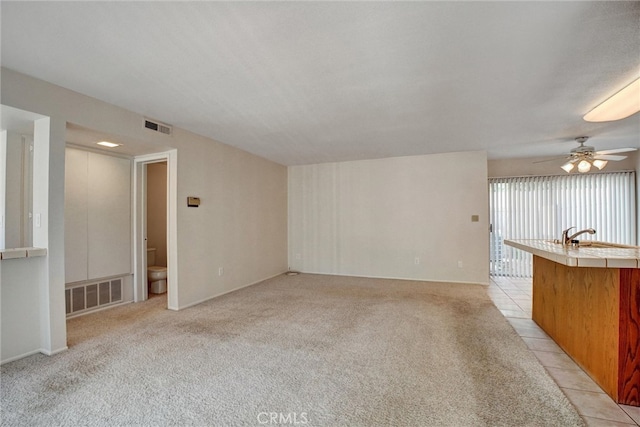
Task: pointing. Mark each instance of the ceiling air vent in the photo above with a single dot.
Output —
(158, 126)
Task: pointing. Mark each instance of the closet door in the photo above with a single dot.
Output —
(75, 216)
(109, 216)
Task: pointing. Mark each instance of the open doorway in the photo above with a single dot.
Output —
(155, 227)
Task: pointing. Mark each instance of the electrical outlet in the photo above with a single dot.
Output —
(459, 264)
(220, 271)
(416, 261)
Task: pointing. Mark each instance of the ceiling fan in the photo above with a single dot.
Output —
(586, 156)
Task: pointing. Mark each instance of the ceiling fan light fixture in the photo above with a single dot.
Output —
(568, 167)
(600, 164)
(584, 166)
(620, 105)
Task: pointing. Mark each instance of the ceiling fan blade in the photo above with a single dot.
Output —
(550, 160)
(609, 157)
(615, 150)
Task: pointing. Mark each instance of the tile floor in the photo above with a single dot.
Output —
(512, 296)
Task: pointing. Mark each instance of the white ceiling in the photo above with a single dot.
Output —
(311, 82)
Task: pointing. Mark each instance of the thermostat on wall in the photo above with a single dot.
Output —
(193, 202)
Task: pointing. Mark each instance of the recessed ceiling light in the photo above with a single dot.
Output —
(108, 144)
(620, 105)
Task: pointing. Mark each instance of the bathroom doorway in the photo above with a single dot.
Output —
(156, 222)
(155, 227)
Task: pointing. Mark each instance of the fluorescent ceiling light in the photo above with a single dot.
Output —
(108, 144)
(619, 106)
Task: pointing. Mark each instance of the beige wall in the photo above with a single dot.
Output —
(404, 217)
(157, 210)
(241, 224)
(19, 300)
(14, 196)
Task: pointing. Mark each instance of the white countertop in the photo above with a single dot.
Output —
(13, 253)
(580, 257)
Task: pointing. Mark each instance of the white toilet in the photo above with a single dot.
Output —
(156, 275)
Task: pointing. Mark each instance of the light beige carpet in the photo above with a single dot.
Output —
(307, 350)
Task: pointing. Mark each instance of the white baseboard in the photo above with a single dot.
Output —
(11, 359)
(56, 351)
(399, 278)
(226, 292)
(31, 353)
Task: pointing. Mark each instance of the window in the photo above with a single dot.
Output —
(540, 207)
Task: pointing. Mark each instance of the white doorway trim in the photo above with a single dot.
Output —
(140, 291)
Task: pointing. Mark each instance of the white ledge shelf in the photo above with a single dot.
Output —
(581, 256)
(15, 253)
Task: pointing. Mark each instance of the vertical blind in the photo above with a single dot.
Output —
(540, 207)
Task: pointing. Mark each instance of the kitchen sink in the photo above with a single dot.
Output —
(598, 245)
(603, 245)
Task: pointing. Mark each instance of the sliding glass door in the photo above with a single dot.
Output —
(540, 207)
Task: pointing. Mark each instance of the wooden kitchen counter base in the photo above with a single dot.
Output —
(594, 316)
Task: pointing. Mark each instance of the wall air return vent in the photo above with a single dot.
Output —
(157, 126)
(87, 297)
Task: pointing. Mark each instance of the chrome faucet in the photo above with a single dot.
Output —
(566, 239)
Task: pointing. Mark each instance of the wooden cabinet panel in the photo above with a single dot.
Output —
(578, 308)
(629, 355)
(594, 315)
